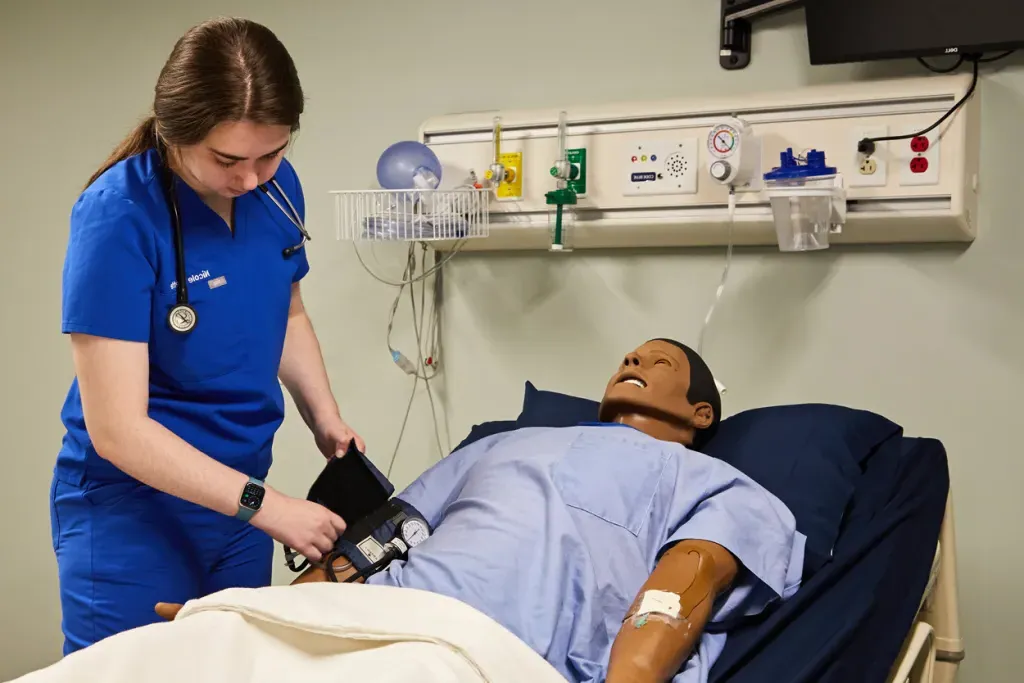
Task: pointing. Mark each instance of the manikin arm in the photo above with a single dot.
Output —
(342, 570)
(667, 618)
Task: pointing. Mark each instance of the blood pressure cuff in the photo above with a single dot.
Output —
(350, 486)
(385, 534)
(378, 530)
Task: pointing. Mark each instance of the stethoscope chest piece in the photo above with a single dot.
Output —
(182, 318)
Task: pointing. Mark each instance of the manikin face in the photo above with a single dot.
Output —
(651, 386)
(234, 158)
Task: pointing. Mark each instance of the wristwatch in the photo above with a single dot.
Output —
(251, 499)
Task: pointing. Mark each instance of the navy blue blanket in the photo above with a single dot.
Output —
(849, 621)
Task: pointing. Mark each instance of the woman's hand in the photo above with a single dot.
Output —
(334, 436)
(308, 528)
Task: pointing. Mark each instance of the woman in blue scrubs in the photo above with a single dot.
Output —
(158, 490)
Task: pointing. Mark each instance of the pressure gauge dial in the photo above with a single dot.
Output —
(734, 155)
(723, 140)
(414, 531)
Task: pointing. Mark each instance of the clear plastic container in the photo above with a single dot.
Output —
(803, 213)
(807, 199)
(562, 239)
(561, 218)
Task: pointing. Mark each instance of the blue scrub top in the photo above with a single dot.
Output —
(217, 386)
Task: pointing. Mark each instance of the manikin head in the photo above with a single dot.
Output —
(665, 390)
(226, 105)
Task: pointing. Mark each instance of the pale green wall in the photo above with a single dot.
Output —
(930, 337)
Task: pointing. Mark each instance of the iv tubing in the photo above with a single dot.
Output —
(725, 272)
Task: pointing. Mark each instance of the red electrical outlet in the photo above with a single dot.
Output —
(918, 159)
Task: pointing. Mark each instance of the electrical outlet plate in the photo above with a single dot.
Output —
(661, 167)
(917, 165)
(868, 170)
(578, 158)
(511, 191)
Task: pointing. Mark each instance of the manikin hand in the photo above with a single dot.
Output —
(334, 436)
(168, 610)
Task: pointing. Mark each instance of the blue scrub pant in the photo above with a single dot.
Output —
(122, 547)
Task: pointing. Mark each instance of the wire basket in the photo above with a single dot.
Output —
(411, 215)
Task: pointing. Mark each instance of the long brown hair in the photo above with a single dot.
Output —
(221, 70)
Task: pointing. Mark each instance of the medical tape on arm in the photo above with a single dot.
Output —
(671, 607)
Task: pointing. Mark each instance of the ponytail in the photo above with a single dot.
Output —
(138, 141)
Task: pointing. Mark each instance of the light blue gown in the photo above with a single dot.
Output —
(552, 532)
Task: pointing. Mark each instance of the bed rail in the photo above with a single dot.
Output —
(942, 608)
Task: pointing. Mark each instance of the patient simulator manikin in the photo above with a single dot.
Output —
(611, 549)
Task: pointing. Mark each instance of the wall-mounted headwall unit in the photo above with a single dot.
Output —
(645, 179)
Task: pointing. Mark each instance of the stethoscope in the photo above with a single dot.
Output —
(182, 317)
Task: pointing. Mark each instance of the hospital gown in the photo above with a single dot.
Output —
(552, 532)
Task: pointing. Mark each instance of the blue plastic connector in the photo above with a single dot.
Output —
(791, 169)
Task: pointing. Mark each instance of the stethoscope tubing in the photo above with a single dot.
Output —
(182, 317)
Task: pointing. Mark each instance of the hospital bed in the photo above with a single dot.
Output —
(878, 603)
(879, 598)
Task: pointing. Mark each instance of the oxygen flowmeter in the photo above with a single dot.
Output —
(564, 194)
(505, 174)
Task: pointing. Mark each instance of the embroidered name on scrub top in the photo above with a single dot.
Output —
(193, 278)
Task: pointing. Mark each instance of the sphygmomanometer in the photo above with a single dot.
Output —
(379, 528)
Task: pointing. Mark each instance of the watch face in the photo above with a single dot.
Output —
(414, 532)
(252, 496)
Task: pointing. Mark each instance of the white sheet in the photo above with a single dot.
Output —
(311, 632)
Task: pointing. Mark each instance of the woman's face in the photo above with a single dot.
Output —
(234, 158)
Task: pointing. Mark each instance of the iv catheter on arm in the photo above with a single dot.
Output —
(666, 620)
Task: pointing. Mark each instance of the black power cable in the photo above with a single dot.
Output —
(947, 70)
(997, 57)
(960, 60)
(867, 145)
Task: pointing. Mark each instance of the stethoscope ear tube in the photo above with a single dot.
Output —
(182, 317)
(292, 215)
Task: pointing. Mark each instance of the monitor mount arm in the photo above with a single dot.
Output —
(735, 29)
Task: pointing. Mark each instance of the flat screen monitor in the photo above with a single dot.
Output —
(842, 31)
